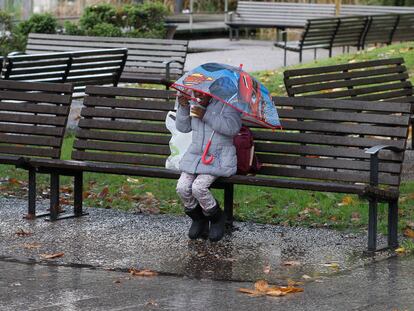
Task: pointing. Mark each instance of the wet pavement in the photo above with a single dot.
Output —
(386, 285)
(119, 240)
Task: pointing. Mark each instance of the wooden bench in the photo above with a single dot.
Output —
(318, 34)
(376, 80)
(81, 68)
(122, 131)
(33, 118)
(157, 61)
(280, 15)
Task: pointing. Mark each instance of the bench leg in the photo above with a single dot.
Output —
(78, 193)
(32, 194)
(300, 56)
(54, 196)
(228, 204)
(372, 225)
(237, 34)
(393, 224)
(412, 134)
(314, 54)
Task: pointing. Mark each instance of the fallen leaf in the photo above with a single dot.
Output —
(104, 192)
(133, 180)
(400, 250)
(291, 263)
(52, 256)
(306, 277)
(261, 286)
(15, 181)
(151, 302)
(332, 265)
(117, 281)
(250, 291)
(144, 272)
(20, 232)
(31, 245)
(346, 200)
(275, 293)
(409, 233)
(291, 282)
(266, 269)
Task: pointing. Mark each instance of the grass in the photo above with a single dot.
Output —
(258, 204)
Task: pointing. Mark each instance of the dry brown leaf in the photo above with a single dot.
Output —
(15, 181)
(346, 200)
(292, 263)
(266, 269)
(306, 277)
(409, 233)
(31, 245)
(291, 289)
(52, 256)
(291, 282)
(261, 286)
(250, 291)
(144, 272)
(104, 192)
(275, 292)
(20, 232)
(133, 180)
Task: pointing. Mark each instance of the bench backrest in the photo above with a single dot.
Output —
(321, 140)
(324, 139)
(319, 33)
(33, 118)
(126, 120)
(350, 31)
(405, 28)
(353, 9)
(145, 56)
(81, 68)
(385, 79)
(380, 29)
(270, 12)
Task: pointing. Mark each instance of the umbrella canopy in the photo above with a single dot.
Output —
(234, 87)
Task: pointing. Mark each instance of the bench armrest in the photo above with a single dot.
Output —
(373, 151)
(231, 14)
(167, 67)
(15, 53)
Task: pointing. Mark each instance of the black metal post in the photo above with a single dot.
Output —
(372, 225)
(393, 224)
(228, 204)
(54, 196)
(32, 193)
(77, 193)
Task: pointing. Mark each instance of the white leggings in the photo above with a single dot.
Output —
(193, 189)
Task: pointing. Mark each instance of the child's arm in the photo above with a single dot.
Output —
(228, 122)
(183, 120)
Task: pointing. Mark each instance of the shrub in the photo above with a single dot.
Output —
(39, 23)
(105, 30)
(98, 14)
(72, 29)
(9, 40)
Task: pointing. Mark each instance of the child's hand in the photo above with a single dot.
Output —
(183, 101)
(197, 112)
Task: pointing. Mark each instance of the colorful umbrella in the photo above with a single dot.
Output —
(235, 88)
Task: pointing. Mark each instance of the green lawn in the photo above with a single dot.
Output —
(264, 205)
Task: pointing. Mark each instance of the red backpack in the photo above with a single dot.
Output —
(247, 162)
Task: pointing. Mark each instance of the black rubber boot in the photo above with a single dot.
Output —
(217, 223)
(199, 226)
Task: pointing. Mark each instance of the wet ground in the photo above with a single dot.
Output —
(385, 285)
(119, 240)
